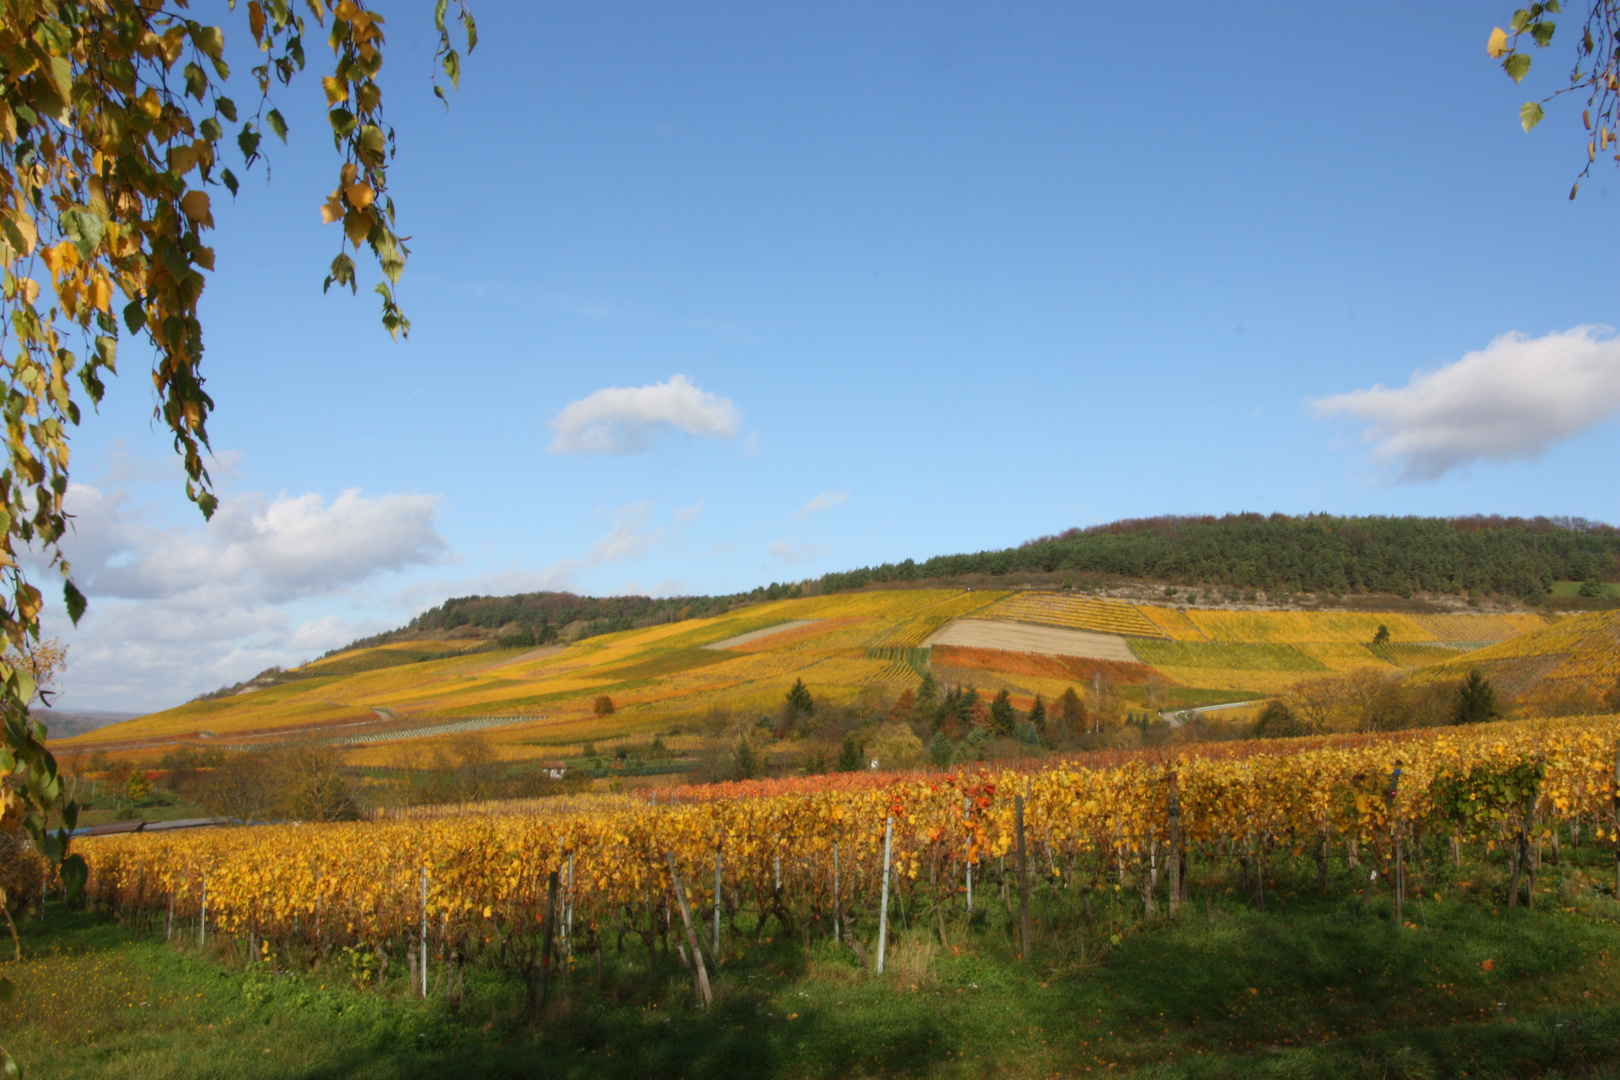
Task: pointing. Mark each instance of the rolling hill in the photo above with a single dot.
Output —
(851, 648)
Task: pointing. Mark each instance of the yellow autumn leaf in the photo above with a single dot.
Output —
(359, 195)
(331, 209)
(1496, 46)
(194, 204)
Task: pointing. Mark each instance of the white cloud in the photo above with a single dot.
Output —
(795, 554)
(623, 420)
(628, 539)
(687, 514)
(1512, 400)
(825, 501)
(175, 611)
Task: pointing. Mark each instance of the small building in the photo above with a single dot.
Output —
(554, 770)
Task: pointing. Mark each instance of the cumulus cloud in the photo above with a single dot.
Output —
(623, 420)
(174, 611)
(825, 501)
(795, 554)
(1511, 401)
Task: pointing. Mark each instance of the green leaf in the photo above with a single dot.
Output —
(342, 121)
(210, 39)
(210, 129)
(196, 81)
(229, 179)
(1553, 6)
(439, 8)
(9, 1064)
(472, 33)
(1542, 32)
(1530, 114)
(277, 124)
(83, 228)
(248, 142)
(1521, 19)
(226, 108)
(1517, 66)
(75, 601)
(135, 315)
(452, 68)
(74, 874)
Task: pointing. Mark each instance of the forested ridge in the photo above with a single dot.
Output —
(1317, 553)
(1280, 554)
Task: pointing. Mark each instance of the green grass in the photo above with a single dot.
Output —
(1569, 590)
(1312, 987)
(1214, 654)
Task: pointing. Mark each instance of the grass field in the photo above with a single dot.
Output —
(1308, 988)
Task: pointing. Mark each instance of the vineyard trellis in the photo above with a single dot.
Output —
(636, 876)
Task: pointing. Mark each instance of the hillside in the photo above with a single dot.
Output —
(1312, 561)
(1571, 666)
(1317, 554)
(854, 649)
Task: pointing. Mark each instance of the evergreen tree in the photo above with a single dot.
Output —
(744, 762)
(849, 755)
(1071, 715)
(1382, 637)
(1002, 714)
(799, 702)
(1476, 701)
(1037, 717)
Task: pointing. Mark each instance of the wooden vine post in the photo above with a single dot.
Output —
(715, 952)
(1398, 881)
(548, 932)
(700, 974)
(1616, 831)
(1023, 879)
(424, 932)
(1175, 844)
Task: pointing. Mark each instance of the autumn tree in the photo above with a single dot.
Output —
(1594, 73)
(900, 711)
(115, 125)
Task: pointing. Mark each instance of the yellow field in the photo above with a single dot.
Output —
(664, 676)
(1074, 613)
(1583, 650)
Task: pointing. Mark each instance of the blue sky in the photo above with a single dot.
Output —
(915, 279)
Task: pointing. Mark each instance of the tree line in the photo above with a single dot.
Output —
(1314, 553)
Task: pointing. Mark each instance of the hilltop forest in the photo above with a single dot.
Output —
(1316, 553)
(1281, 554)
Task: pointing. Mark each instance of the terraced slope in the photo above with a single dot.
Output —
(1579, 653)
(1073, 612)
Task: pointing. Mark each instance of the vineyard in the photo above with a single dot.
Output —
(1073, 612)
(1583, 650)
(847, 648)
(848, 854)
